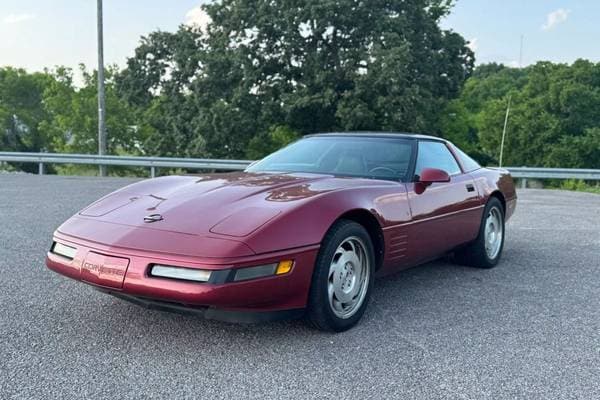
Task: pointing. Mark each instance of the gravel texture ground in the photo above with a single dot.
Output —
(528, 329)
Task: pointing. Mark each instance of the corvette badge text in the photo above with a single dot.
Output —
(101, 269)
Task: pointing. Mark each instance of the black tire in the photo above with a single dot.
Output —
(319, 312)
(475, 254)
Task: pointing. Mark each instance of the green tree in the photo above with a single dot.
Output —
(311, 66)
(21, 110)
(73, 115)
(264, 144)
(157, 83)
(553, 119)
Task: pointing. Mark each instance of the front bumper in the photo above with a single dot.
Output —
(273, 297)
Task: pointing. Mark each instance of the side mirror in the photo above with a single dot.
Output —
(432, 175)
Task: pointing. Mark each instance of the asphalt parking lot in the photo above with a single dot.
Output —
(529, 328)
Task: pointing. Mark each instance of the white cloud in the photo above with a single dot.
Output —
(555, 17)
(198, 18)
(473, 44)
(17, 18)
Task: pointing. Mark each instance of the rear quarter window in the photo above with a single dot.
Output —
(434, 154)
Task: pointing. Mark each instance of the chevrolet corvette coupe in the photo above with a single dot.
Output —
(303, 232)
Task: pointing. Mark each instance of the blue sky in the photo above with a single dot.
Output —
(553, 30)
(35, 34)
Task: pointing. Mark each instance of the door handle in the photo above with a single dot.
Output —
(470, 187)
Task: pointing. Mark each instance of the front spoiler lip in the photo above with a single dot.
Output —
(243, 317)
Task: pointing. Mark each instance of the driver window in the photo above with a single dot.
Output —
(434, 154)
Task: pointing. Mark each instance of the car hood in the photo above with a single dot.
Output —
(233, 204)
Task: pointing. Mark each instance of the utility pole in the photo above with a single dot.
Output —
(101, 101)
(504, 130)
(508, 107)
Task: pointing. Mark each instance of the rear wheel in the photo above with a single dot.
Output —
(343, 277)
(486, 250)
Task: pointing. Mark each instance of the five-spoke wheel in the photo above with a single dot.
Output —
(486, 249)
(494, 232)
(343, 277)
(348, 277)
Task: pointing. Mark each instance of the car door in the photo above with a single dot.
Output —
(445, 214)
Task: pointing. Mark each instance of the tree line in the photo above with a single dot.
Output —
(258, 77)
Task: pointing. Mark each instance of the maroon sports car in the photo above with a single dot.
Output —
(302, 232)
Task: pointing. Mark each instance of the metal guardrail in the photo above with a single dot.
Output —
(153, 163)
(525, 173)
(555, 173)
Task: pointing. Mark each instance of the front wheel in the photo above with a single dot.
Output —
(343, 278)
(486, 250)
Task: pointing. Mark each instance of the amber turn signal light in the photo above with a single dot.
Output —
(284, 267)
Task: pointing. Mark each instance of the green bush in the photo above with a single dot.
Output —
(580, 186)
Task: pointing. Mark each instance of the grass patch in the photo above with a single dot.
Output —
(580, 186)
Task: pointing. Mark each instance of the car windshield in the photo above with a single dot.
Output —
(366, 157)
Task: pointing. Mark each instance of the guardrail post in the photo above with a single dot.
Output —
(152, 172)
(524, 183)
(41, 168)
